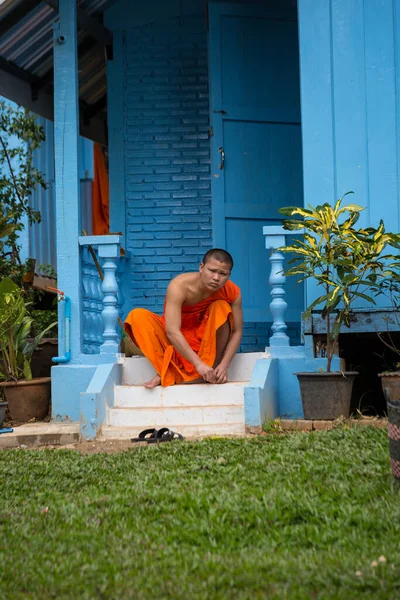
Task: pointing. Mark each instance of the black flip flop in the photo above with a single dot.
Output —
(165, 435)
(146, 436)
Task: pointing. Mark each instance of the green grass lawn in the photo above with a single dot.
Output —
(303, 515)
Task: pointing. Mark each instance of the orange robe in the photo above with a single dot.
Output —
(100, 194)
(199, 326)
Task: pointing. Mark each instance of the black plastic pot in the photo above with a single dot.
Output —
(391, 389)
(326, 396)
(41, 362)
(3, 408)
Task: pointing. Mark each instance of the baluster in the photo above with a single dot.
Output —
(120, 297)
(278, 305)
(110, 312)
(85, 303)
(102, 298)
(275, 238)
(97, 307)
(99, 325)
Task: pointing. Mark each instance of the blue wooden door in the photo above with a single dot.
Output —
(256, 146)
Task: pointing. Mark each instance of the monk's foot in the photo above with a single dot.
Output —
(153, 382)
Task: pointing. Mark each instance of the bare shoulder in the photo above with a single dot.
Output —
(238, 299)
(180, 285)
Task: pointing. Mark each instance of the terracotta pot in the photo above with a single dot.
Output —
(326, 396)
(3, 408)
(391, 390)
(28, 399)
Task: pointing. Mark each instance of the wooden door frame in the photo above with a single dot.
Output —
(215, 12)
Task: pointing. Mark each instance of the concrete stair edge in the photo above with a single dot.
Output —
(137, 369)
(164, 416)
(184, 396)
(41, 434)
(188, 431)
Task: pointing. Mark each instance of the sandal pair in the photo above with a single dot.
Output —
(154, 436)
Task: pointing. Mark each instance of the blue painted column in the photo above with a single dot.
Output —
(66, 134)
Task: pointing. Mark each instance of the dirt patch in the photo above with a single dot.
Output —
(275, 427)
(9, 422)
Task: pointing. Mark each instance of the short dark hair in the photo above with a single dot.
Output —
(218, 254)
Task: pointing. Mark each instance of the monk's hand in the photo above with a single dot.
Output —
(206, 372)
(221, 373)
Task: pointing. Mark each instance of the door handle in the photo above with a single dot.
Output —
(222, 153)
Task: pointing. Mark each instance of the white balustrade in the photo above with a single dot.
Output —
(103, 299)
(275, 237)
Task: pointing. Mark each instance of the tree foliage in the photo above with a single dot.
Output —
(20, 136)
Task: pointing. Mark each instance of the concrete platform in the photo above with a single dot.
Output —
(41, 434)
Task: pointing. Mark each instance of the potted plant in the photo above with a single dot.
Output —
(388, 285)
(3, 408)
(7, 227)
(27, 398)
(47, 348)
(44, 313)
(343, 261)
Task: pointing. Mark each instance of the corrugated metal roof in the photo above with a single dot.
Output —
(28, 45)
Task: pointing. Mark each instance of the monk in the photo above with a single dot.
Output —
(201, 328)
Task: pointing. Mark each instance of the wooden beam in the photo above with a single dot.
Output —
(12, 69)
(94, 28)
(19, 90)
(47, 79)
(91, 110)
(88, 24)
(17, 14)
(44, 81)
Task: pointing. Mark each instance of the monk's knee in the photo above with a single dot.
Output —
(137, 316)
(220, 304)
(136, 321)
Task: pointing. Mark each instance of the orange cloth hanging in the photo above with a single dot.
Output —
(100, 194)
(199, 326)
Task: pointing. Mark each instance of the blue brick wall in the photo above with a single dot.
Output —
(167, 162)
(256, 336)
(168, 196)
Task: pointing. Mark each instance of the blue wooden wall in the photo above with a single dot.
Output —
(159, 147)
(350, 82)
(42, 236)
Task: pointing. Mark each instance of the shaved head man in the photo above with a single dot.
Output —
(200, 330)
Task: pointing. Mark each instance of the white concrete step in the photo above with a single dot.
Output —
(110, 432)
(137, 369)
(200, 409)
(185, 395)
(195, 410)
(176, 415)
